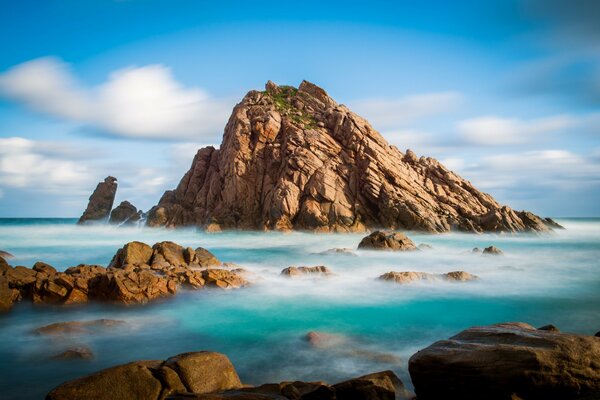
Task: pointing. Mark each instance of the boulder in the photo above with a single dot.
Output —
(129, 286)
(383, 385)
(294, 272)
(77, 327)
(205, 372)
(44, 268)
(101, 201)
(387, 240)
(172, 254)
(339, 251)
(293, 158)
(206, 259)
(75, 353)
(8, 295)
(425, 246)
(124, 214)
(223, 278)
(325, 340)
(502, 361)
(404, 277)
(133, 253)
(549, 328)
(492, 251)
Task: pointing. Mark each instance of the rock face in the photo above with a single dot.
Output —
(211, 376)
(411, 276)
(505, 360)
(101, 201)
(137, 273)
(386, 240)
(295, 159)
(125, 214)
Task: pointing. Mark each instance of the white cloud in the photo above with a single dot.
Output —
(144, 102)
(493, 130)
(26, 164)
(392, 113)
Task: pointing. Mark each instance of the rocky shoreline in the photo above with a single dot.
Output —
(507, 361)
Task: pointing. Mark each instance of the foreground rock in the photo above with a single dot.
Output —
(125, 214)
(293, 158)
(295, 272)
(412, 276)
(208, 375)
(101, 201)
(137, 273)
(386, 240)
(506, 360)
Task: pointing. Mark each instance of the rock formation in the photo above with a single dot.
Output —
(208, 375)
(411, 276)
(508, 361)
(492, 251)
(295, 159)
(294, 272)
(101, 201)
(125, 214)
(379, 240)
(137, 273)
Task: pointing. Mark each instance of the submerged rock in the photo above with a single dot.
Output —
(293, 158)
(75, 353)
(77, 327)
(425, 246)
(341, 251)
(125, 214)
(101, 201)
(387, 240)
(501, 361)
(294, 272)
(412, 276)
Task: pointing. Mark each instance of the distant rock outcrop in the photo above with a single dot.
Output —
(125, 214)
(101, 201)
(293, 158)
(386, 240)
(404, 277)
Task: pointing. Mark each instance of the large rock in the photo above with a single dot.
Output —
(125, 214)
(385, 240)
(101, 201)
(501, 361)
(293, 158)
(383, 385)
(133, 253)
(205, 372)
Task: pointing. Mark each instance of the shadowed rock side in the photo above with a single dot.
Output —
(208, 375)
(125, 214)
(508, 361)
(295, 159)
(101, 201)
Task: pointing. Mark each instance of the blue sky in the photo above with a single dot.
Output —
(506, 93)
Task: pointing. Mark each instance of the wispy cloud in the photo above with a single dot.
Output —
(137, 102)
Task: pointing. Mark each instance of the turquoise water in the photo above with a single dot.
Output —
(542, 279)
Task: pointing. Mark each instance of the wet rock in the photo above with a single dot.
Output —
(425, 246)
(44, 268)
(505, 360)
(383, 385)
(124, 214)
(476, 250)
(77, 327)
(324, 339)
(339, 251)
(205, 372)
(295, 272)
(206, 259)
(552, 224)
(549, 328)
(292, 158)
(387, 240)
(75, 353)
(8, 295)
(101, 201)
(493, 251)
(405, 277)
(129, 286)
(133, 253)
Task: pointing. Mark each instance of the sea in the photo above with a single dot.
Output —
(541, 279)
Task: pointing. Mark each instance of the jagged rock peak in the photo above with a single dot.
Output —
(293, 158)
(101, 201)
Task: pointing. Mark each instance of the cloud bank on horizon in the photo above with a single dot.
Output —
(504, 93)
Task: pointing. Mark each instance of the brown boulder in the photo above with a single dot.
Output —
(383, 385)
(171, 254)
(205, 372)
(206, 259)
(44, 268)
(501, 361)
(124, 382)
(77, 327)
(404, 277)
(133, 253)
(223, 278)
(387, 240)
(294, 272)
(325, 340)
(101, 201)
(8, 295)
(492, 251)
(129, 287)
